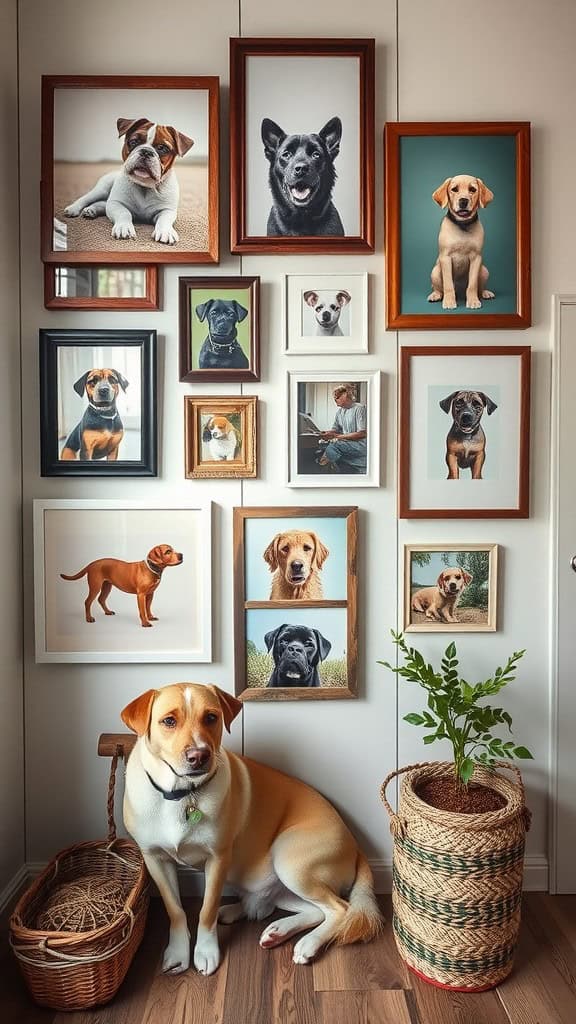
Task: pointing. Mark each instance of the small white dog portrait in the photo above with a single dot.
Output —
(327, 307)
(221, 438)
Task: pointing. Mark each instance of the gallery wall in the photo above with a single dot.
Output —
(424, 71)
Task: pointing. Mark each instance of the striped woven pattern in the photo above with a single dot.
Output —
(457, 881)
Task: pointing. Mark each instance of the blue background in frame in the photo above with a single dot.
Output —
(425, 162)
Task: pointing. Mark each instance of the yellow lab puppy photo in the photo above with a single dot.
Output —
(274, 839)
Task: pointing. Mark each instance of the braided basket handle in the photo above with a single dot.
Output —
(397, 826)
(111, 794)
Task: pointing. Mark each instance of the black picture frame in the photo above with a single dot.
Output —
(54, 424)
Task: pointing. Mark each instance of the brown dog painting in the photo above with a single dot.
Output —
(439, 602)
(295, 557)
(140, 578)
(466, 440)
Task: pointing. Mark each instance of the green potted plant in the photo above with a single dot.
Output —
(459, 831)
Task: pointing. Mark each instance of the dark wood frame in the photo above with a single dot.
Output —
(188, 373)
(521, 511)
(240, 50)
(395, 318)
(194, 405)
(50, 341)
(350, 513)
(209, 84)
(151, 300)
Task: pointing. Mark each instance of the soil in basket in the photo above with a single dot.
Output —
(449, 795)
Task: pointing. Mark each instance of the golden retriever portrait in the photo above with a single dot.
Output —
(439, 602)
(295, 557)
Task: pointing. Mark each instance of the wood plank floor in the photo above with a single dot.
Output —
(350, 985)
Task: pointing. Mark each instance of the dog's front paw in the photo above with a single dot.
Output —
(207, 954)
(123, 229)
(487, 294)
(305, 949)
(230, 913)
(74, 210)
(449, 302)
(91, 211)
(473, 302)
(435, 296)
(176, 958)
(167, 235)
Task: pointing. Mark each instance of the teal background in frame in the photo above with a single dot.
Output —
(425, 162)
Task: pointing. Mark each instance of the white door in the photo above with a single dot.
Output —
(563, 773)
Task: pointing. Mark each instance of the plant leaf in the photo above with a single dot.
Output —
(523, 752)
(466, 770)
(414, 719)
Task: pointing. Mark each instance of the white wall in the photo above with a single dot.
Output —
(11, 723)
(514, 62)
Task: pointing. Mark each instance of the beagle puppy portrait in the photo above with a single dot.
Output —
(459, 270)
(222, 439)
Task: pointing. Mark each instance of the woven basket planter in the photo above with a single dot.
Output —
(457, 880)
(73, 970)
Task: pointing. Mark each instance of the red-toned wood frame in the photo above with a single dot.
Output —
(150, 299)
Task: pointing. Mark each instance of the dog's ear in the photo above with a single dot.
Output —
(137, 714)
(229, 704)
(181, 141)
(446, 403)
(156, 554)
(80, 384)
(310, 298)
(343, 298)
(485, 194)
(468, 577)
(490, 405)
(206, 433)
(271, 553)
(324, 645)
(331, 134)
(440, 196)
(241, 312)
(203, 309)
(272, 137)
(441, 581)
(321, 552)
(122, 380)
(270, 638)
(127, 124)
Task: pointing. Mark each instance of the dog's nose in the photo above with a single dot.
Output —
(197, 757)
(462, 203)
(299, 169)
(297, 566)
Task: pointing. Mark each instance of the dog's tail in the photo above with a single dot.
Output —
(78, 575)
(363, 920)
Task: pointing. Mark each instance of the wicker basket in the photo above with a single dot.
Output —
(457, 881)
(68, 970)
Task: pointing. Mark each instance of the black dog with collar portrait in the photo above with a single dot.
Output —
(297, 651)
(302, 178)
(221, 349)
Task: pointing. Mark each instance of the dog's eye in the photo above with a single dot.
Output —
(169, 721)
(472, 189)
(133, 142)
(162, 150)
(210, 717)
(316, 156)
(285, 549)
(307, 547)
(454, 188)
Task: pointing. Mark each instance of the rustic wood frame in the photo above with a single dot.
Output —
(246, 465)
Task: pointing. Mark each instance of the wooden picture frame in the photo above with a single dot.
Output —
(82, 286)
(421, 159)
(95, 124)
(219, 344)
(98, 402)
(331, 83)
(220, 439)
(464, 411)
(295, 620)
(175, 536)
(450, 588)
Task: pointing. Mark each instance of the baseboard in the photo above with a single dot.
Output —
(11, 892)
(192, 881)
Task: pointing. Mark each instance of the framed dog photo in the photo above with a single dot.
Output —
(464, 441)
(219, 329)
(457, 225)
(122, 581)
(295, 603)
(220, 436)
(98, 402)
(116, 287)
(334, 429)
(326, 314)
(450, 588)
(129, 169)
(302, 145)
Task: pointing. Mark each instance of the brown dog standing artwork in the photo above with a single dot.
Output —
(140, 578)
(466, 441)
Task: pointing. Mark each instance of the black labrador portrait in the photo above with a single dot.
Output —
(297, 651)
(221, 349)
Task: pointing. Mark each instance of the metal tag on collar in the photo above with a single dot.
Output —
(193, 814)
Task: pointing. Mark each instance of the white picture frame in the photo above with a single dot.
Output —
(69, 534)
(337, 324)
(312, 409)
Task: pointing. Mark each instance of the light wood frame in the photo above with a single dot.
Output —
(434, 626)
(219, 405)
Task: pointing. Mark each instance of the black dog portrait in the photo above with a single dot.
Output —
(221, 348)
(297, 651)
(302, 178)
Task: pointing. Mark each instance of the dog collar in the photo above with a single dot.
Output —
(228, 346)
(192, 812)
(105, 415)
(154, 567)
(462, 224)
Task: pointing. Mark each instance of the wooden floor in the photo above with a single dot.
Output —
(350, 985)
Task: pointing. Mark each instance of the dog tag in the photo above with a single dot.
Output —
(193, 815)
